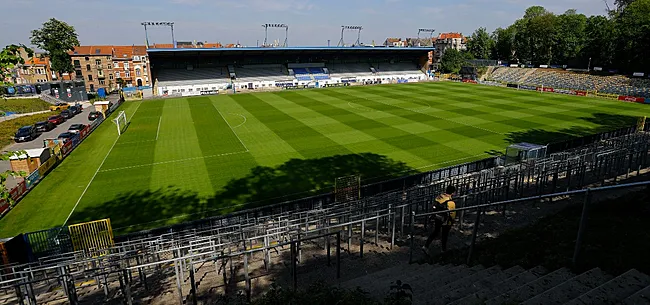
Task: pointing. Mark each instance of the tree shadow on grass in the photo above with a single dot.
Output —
(264, 185)
(603, 121)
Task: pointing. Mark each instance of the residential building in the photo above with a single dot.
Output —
(449, 41)
(130, 64)
(395, 42)
(36, 69)
(93, 64)
(111, 67)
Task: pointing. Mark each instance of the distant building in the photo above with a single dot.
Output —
(94, 65)
(446, 41)
(395, 42)
(111, 67)
(36, 69)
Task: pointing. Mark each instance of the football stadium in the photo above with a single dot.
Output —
(295, 165)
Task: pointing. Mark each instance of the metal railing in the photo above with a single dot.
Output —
(479, 209)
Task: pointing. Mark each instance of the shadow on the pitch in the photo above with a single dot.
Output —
(603, 121)
(262, 186)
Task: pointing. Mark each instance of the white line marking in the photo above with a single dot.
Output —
(158, 131)
(90, 182)
(136, 110)
(96, 172)
(133, 142)
(233, 131)
(240, 116)
(172, 161)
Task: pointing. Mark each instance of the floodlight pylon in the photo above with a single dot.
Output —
(357, 28)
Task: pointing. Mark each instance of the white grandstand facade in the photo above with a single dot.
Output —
(190, 72)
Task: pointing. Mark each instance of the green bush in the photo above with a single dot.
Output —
(23, 105)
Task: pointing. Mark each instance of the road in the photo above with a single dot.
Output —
(81, 118)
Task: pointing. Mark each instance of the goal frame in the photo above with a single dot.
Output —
(121, 124)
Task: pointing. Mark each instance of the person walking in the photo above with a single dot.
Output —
(443, 221)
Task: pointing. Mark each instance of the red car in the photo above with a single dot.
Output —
(56, 119)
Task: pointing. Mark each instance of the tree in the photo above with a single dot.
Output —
(569, 36)
(633, 28)
(56, 38)
(480, 44)
(9, 59)
(504, 40)
(600, 41)
(534, 35)
(452, 60)
(120, 82)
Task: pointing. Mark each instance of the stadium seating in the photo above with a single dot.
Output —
(182, 77)
(560, 79)
(349, 70)
(397, 68)
(257, 73)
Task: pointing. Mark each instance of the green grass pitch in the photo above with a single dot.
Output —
(187, 158)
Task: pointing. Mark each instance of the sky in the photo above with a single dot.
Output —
(311, 23)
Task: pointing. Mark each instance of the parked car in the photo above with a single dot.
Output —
(76, 128)
(67, 114)
(59, 106)
(44, 126)
(94, 115)
(75, 109)
(56, 119)
(66, 136)
(26, 133)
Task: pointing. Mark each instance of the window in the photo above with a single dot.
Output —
(182, 90)
(77, 63)
(136, 58)
(116, 64)
(102, 82)
(87, 67)
(146, 78)
(190, 90)
(127, 74)
(87, 58)
(98, 62)
(126, 65)
(137, 72)
(117, 74)
(110, 76)
(90, 77)
(109, 66)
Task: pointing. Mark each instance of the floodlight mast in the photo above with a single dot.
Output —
(158, 23)
(266, 27)
(357, 28)
(430, 31)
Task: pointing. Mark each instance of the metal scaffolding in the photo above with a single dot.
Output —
(238, 248)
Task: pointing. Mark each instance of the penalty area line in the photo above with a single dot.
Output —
(158, 131)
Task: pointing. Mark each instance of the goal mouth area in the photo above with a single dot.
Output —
(121, 122)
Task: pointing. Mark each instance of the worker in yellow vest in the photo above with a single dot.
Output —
(442, 221)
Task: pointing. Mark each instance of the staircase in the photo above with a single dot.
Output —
(449, 284)
(50, 99)
(527, 75)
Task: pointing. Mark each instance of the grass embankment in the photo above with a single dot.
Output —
(615, 240)
(23, 105)
(8, 128)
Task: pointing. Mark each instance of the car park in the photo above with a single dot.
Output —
(67, 114)
(76, 109)
(66, 136)
(44, 126)
(76, 128)
(26, 133)
(94, 115)
(59, 106)
(56, 119)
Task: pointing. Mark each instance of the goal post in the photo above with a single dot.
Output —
(121, 122)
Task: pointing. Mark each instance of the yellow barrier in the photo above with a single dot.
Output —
(94, 235)
(47, 165)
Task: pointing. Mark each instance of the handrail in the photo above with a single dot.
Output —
(587, 191)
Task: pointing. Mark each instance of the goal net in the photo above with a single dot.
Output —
(121, 122)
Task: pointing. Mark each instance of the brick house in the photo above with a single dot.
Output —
(130, 63)
(93, 64)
